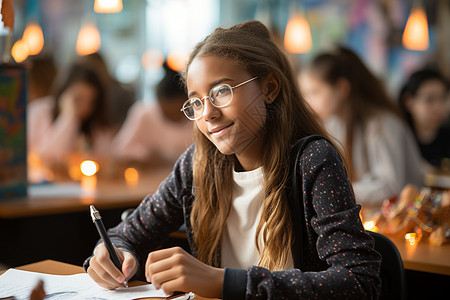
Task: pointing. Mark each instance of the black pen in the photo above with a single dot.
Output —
(97, 219)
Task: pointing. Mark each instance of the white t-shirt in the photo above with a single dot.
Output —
(238, 241)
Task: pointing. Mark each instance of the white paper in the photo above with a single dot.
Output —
(19, 284)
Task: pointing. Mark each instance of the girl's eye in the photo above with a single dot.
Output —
(196, 103)
(222, 91)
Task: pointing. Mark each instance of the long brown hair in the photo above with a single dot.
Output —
(288, 119)
(367, 95)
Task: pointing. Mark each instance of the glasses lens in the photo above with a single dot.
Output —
(221, 95)
(193, 108)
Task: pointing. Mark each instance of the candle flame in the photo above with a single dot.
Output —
(89, 167)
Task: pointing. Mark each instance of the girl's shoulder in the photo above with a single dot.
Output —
(318, 150)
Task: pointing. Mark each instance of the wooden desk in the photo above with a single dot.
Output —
(424, 257)
(109, 195)
(59, 227)
(60, 268)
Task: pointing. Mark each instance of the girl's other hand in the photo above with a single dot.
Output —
(175, 270)
(103, 271)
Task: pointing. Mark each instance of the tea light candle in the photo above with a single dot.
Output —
(88, 179)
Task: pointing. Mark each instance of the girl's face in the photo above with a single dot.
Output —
(81, 97)
(325, 99)
(429, 108)
(236, 128)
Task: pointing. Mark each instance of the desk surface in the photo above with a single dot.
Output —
(109, 195)
(60, 268)
(424, 257)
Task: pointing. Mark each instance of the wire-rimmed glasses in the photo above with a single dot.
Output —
(219, 96)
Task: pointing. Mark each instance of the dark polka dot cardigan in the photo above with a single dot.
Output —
(340, 261)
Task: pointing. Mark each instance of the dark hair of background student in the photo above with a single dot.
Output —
(99, 117)
(413, 85)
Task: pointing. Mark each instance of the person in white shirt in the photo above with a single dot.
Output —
(378, 145)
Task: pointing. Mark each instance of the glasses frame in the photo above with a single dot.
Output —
(189, 101)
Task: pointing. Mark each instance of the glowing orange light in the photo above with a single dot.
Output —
(152, 59)
(297, 38)
(415, 36)
(176, 60)
(370, 225)
(131, 177)
(411, 238)
(34, 38)
(108, 6)
(88, 40)
(19, 51)
(89, 167)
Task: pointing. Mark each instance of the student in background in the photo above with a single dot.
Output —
(76, 122)
(231, 190)
(356, 110)
(119, 97)
(159, 133)
(425, 101)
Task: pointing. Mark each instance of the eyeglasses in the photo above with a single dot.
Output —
(219, 96)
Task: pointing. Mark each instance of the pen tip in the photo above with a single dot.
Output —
(125, 283)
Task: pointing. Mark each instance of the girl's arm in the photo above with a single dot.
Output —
(335, 234)
(157, 216)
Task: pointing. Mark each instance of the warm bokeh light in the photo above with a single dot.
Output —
(88, 40)
(413, 237)
(131, 176)
(152, 60)
(34, 38)
(370, 225)
(297, 38)
(415, 36)
(108, 6)
(176, 60)
(19, 51)
(89, 167)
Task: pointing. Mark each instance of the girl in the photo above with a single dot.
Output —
(232, 189)
(74, 121)
(356, 110)
(425, 102)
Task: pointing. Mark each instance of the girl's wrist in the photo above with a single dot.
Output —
(218, 282)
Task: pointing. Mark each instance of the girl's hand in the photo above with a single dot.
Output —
(103, 271)
(175, 270)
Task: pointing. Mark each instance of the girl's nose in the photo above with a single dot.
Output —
(210, 112)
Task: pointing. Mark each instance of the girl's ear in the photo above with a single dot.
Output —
(271, 88)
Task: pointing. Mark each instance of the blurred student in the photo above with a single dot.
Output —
(76, 121)
(425, 101)
(159, 132)
(119, 97)
(379, 147)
